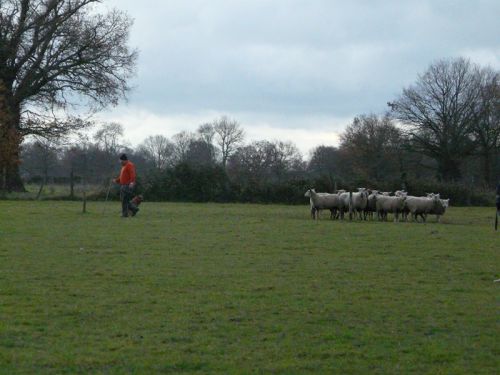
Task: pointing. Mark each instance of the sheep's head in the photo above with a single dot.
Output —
(308, 193)
(432, 195)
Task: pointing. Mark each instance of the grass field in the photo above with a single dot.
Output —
(213, 288)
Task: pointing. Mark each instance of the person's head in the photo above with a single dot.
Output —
(123, 159)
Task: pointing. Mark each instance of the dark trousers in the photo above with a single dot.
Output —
(126, 194)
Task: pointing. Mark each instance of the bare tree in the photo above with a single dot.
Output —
(373, 146)
(325, 163)
(40, 157)
(70, 163)
(200, 153)
(158, 149)
(182, 142)
(206, 133)
(229, 135)
(51, 52)
(285, 158)
(264, 162)
(249, 164)
(109, 140)
(486, 128)
(438, 112)
(108, 137)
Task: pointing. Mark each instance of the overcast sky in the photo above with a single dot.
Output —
(296, 70)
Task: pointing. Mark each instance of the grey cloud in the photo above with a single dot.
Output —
(325, 57)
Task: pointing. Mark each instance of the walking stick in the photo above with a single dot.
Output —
(107, 195)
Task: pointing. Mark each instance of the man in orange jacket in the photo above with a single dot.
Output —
(127, 185)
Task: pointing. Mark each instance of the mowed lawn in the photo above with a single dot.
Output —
(231, 288)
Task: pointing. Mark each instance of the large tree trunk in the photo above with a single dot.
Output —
(10, 142)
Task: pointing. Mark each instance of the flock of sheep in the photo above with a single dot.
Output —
(365, 203)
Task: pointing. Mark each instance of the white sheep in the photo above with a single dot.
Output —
(440, 208)
(320, 201)
(420, 206)
(344, 203)
(314, 210)
(371, 204)
(358, 202)
(385, 204)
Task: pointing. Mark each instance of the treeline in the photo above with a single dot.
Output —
(442, 134)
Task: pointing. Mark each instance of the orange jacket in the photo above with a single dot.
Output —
(127, 174)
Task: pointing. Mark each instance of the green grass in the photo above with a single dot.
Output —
(212, 288)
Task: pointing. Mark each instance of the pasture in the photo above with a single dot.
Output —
(233, 288)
